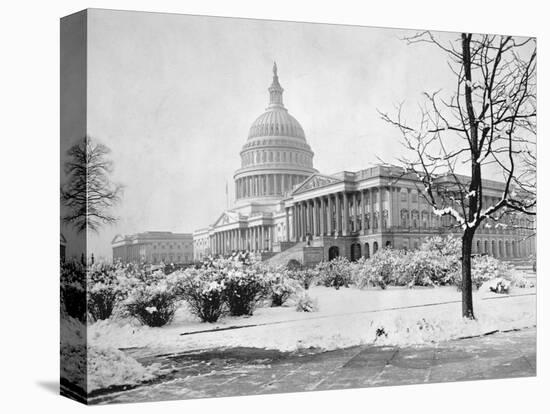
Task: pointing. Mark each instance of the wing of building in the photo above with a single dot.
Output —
(153, 247)
(285, 209)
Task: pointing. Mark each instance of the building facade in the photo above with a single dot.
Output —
(154, 247)
(283, 202)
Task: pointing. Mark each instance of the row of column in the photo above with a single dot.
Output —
(257, 238)
(267, 184)
(503, 249)
(339, 214)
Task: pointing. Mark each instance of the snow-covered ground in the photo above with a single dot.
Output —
(346, 317)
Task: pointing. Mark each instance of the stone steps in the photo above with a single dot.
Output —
(296, 252)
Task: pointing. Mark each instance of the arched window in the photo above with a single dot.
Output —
(367, 250)
(374, 247)
(404, 218)
(414, 215)
(425, 219)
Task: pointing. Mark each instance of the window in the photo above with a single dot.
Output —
(404, 196)
(414, 197)
(404, 218)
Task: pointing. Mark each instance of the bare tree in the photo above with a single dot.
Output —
(89, 193)
(487, 124)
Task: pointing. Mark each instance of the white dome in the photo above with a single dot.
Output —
(276, 122)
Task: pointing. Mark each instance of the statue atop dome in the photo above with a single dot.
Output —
(275, 90)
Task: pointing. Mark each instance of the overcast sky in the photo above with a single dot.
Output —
(173, 96)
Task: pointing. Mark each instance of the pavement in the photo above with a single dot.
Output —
(250, 371)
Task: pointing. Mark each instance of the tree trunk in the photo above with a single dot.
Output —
(467, 300)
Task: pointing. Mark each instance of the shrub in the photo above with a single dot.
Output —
(484, 268)
(280, 288)
(245, 286)
(293, 264)
(498, 285)
(307, 304)
(103, 290)
(305, 277)
(152, 299)
(204, 291)
(380, 270)
(73, 289)
(426, 268)
(520, 281)
(336, 273)
(443, 246)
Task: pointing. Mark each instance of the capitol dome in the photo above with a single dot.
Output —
(276, 155)
(276, 122)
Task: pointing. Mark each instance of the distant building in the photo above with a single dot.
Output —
(154, 247)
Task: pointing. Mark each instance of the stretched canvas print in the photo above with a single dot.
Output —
(253, 206)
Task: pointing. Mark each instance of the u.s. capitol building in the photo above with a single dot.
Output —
(284, 206)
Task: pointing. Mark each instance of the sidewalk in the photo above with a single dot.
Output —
(246, 371)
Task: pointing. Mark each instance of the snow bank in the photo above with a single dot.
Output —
(108, 366)
(347, 317)
(102, 366)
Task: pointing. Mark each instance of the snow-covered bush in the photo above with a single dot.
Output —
(336, 273)
(498, 285)
(204, 291)
(520, 281)
(380, 270)
(73, 289)
(245, 287)
(306, 303)
(152, 299)
(484, 268)
(443, 246)
(425, 268)
(305, 277)
(103, 290)
(281, 287)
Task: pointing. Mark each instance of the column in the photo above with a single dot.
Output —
(329, 215)
(409, 214)
(283, 182)
(287, 223)
(269, 179)
(294, 224)
(299, 221)
(338, 212)
(371, 193)
(303, 221)
(322, 217)
(357, 212)
(380, 208)
(262, 235)
(315, 215)
(345, 227)
(363, 212)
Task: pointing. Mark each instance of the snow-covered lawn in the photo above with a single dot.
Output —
(346, 317)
